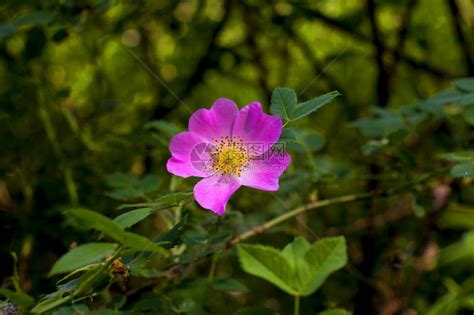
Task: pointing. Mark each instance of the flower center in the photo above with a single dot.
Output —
(229, 155)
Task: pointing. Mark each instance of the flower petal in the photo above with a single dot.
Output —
(214, 192)
(257, 128)
(216, 122)
(190, 153)
(264, 173)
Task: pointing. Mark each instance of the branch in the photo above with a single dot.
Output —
(417, 64)
(293, 213)
(383, 76)
(463, 40)
(337, 200)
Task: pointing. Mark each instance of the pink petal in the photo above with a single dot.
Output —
(263, 174)
(257, 128)
(214, 192)
(216, 122)
(189, 155)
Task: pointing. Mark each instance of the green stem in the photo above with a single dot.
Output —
(86, 285)
(212, 271)
(53, 139)
(290, 214)
(297, 305)
(337, 200)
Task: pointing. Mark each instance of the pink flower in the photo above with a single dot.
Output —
(229, 148)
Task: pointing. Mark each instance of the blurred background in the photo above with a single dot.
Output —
(92, 88)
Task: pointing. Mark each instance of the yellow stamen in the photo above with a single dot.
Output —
(229, 156)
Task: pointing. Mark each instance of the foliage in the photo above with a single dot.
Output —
(377, 101)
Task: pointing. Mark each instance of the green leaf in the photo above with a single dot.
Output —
(306, 108)
(293, 253)
(7, 30)
(228, 284)
(267, 263)
(19, 298)
(307, 140)
(35, 18)
(81, 256)
(163, 202)
(465, 160)
(464, 84)
(166, 127)
(325, 256)
(386, 124)
(130, 218)
(141, 243)
(94, 220)
(173, 237)
(462, 250)
(283, 102)
(300, 268)
(463, 169)
(128, 187)
(457, 216)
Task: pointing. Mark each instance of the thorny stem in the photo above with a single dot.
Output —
(332, 201)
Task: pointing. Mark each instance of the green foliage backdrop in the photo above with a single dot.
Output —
(91, 93)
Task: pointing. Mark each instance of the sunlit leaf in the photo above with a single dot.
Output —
(283, 103)
(94, 220)
(228, 284)
(306, 108)
(267, 263)
(81, 256)
(35, 18)
(300, 268)
(20, 299)
(130, 218)
(464, 84)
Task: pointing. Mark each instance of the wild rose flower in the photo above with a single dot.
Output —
(229, 148)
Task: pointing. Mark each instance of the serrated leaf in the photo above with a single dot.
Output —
(166, 127)
(130, 218)
(306, 108)
(267, 263)
(172, 237)
(465, 160)
(307, 140)
(94, 220)
(386, 124)
(128, 187)
(35, 18)
(325, 256)
(81, 256)
(283, 102)
(300, 268)
(462, 156)
(464, 84)
(7, 30)
(228, 284)
(19, 298)
(163, 202)
(463, 169)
